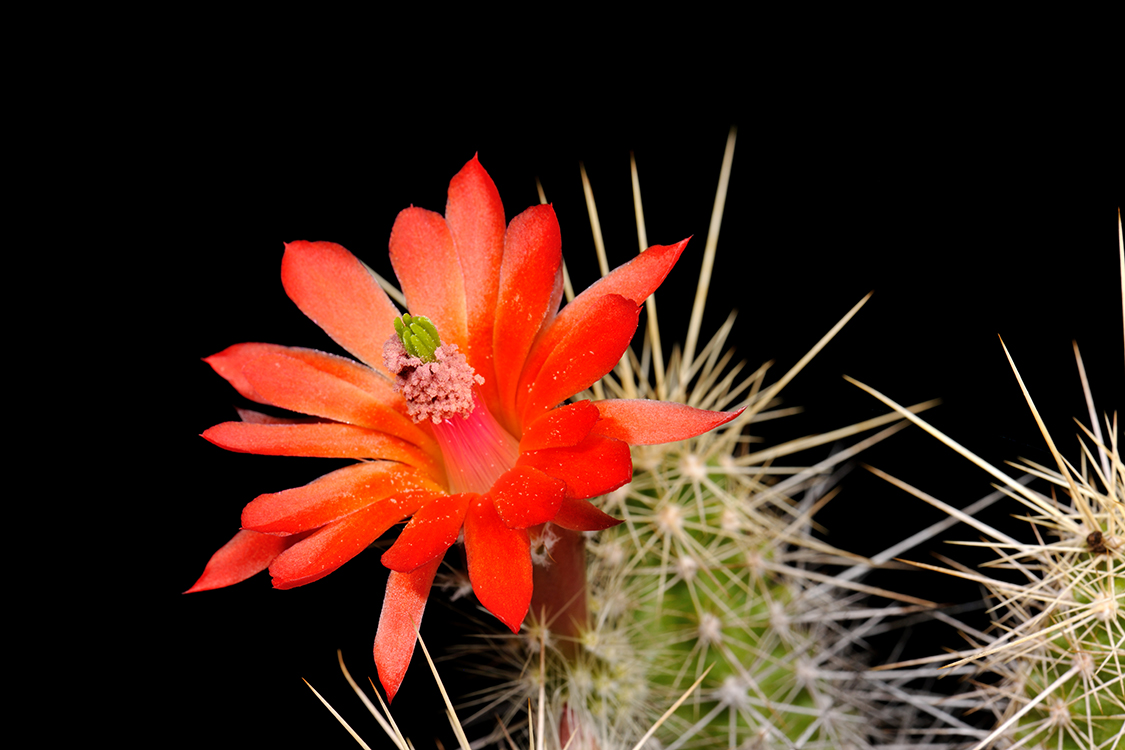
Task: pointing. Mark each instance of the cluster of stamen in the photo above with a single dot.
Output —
(435, 379)
(438, 383)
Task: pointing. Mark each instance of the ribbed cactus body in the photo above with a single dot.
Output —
(693, 579)
(1055, 654)
(1073, 681)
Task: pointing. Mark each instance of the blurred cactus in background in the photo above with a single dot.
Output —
(1052, 665)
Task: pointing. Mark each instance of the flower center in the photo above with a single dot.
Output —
(435, 379)
(439, 384)
(477, 450)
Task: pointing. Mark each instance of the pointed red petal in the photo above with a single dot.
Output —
(580, 515)
(643, 422)
(566, 425)
(525, 496)
(340, 295)
(594, 467)
(403, 606)
(247, 553)
(294, 384)
(638, 278)
(323, 440)
(432, 530)
(429, 272)
(326, 550)
(499, 561)
(283, 388)
(257, 417)
(334, 496)
(230, 361)
(634, 281)
(475, 217)
(589, 347)
(529, 277)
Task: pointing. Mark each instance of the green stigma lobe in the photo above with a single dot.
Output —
(418, 335)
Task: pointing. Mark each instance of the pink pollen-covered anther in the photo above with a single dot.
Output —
(436, 391)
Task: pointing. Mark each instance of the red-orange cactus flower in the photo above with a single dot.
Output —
(470, 436)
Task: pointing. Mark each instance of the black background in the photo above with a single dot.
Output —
(964, 222)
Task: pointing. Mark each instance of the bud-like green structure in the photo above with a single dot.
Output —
(419, 336)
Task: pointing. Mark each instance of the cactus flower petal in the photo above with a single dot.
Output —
(593, 467)
(561, 427)
(403, 605)
(644, 422)
(246, 554)
(499, 561)
(323, 439)
(337, 495)
(426, 263)
(527, 497)
(433, 529)
(580, 515)
(339, 294)
(332, 545)
(588, 348)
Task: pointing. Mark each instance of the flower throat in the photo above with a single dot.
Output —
(438, 384)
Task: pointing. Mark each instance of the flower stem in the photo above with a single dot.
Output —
(560, 593)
